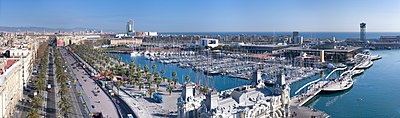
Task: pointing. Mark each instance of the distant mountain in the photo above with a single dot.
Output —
(41, 29)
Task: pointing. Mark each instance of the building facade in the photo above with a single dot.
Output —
(27, 58)
(11, 86)
(248, 101)
(125, 41)
(212, 43)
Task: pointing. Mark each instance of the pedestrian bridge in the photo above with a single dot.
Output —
(333, 71)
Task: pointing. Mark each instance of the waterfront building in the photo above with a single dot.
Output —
(363, 27)
(66, 40)
(11, 86)
(335, 54)
(205, 42)
(146, 34)
(248, 101)
(130, 27)
(385, 42)
(392, 39)
(125, 41)
(260, 49)
(236, 44)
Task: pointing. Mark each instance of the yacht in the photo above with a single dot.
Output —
(134, 54)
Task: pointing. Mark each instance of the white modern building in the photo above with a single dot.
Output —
(205, 42)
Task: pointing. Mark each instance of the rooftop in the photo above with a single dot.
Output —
(6, 65)
(342, 49)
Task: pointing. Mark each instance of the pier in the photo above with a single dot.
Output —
(342, 83)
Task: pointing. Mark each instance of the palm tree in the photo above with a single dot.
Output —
(164, 78)
(138, 68)
(132, 66)
(174, 74)
(138, 77)
(175, 80)
(33, 113)
(155, 74)
(151, 91)
(132, 80)
(162, 72)
(146, 69)
(158, 82)
(150, 82)
(111, 76)
(204, 90)
(154, 67)
(148, 77)
(170, 88)
(141, 86)
(65, 105)
(118, 84)
(84, 104)
(187, 78)
(169, 81)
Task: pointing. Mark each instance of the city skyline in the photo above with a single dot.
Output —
(205, 16)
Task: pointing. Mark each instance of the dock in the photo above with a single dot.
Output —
(344, 82)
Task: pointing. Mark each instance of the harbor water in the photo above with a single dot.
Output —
(375, 93)
(218, 82)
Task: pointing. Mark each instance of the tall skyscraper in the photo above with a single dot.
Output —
(294, 36)
(130, 27)
(363, 27)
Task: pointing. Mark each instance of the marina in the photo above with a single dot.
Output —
(234, 65)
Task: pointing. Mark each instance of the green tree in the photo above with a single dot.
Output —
(118, 84)
(158, 82)
(174, 78)
(169, 81)
(164, 78)
(111, 76)
(138, 68)
(146, 69)
(175, 81)
(151, 91)
(153, 68)
(187, 78)
(162, 72)
(204, 90)
(141, 84)
(65, 105)
(170, 88)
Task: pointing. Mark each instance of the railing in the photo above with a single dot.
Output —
(301, 88)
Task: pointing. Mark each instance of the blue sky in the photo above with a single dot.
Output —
(205, 15)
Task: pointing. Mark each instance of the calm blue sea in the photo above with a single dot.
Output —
(337, 35)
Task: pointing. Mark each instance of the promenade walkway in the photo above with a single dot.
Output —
(97, 101)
